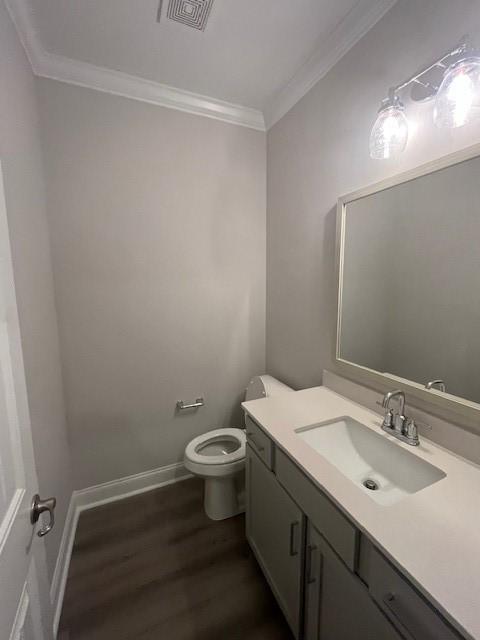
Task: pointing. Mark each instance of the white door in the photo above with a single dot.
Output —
(24, 614)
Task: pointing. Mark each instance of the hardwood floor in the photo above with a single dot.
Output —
(155, 567)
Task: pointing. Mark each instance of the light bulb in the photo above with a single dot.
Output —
(390, 132)
(458, 98)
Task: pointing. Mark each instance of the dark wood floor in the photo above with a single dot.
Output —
(155, 567)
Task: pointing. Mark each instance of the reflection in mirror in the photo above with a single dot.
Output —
(410, 303)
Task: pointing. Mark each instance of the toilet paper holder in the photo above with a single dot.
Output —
(199, 402)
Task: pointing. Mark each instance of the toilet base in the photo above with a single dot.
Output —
(221, 498)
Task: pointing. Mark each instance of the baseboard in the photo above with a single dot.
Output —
(59, 580)
(94, 497)
(129, 486)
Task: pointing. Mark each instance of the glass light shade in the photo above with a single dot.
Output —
(458, 98)
(389, 133)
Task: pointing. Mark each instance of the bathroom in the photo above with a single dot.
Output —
(239, 343)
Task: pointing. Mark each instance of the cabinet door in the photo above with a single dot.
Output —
(337, 604)
(275, 531)
(313, 582)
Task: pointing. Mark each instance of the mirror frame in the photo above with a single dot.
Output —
(451, 408)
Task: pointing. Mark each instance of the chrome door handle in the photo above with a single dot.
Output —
(389, 600)
(311, 578)
(293, 527)
(39, 506)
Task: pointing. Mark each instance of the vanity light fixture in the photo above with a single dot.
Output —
(390, 132)
(458, 98)
(453, 80)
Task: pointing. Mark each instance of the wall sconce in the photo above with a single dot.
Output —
(390, 132)
(454, 81)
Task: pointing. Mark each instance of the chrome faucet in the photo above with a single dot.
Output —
(394, 420)
(396, 423)
(439, 384)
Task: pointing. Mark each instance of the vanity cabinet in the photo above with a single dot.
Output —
(325, 517)
(406, 608)
(275, 531)
(330, 580)
(337, 604)
(259, 442)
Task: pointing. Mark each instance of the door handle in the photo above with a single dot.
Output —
(293, 527)
(39, 506)
(390, 600)
(310, 554)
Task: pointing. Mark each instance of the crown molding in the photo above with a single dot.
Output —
(83, 74)
(351, 29)
(122, 84)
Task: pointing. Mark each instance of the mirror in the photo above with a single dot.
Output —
(409, 298)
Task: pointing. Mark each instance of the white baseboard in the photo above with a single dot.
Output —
(59, 580)
(94, 497)
(129, 486)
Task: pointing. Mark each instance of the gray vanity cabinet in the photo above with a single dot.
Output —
(407, 610)
(330, 581)
(337, 604)
(275, 531)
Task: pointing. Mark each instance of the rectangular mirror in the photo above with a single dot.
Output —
(409, 283)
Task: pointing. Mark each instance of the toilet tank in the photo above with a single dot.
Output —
(264, 387)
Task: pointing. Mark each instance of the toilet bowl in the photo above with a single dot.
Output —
(218, 456)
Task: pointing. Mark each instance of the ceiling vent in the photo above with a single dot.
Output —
(192, 13)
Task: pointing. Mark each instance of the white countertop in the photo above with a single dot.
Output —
(433, 536)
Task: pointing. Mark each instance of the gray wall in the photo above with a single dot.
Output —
(319, 151)
(25, 198)
(157, 221)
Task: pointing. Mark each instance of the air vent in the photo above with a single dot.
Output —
(192, 13)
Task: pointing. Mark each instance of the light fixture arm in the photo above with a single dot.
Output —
(392, 100)
(459, 50)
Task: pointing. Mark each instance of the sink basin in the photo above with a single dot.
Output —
(382, 468)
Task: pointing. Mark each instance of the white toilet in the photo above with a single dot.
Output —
(219, 457)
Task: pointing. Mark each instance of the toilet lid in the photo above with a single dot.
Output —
(193, 450)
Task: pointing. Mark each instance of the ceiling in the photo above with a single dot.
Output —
(251, 54)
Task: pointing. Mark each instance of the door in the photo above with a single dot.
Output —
(337, 604)
(313, 583)
(275, 531)
(24, 614)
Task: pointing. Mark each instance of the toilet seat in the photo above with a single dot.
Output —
(193, 451)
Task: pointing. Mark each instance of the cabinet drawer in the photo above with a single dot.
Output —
(260, 442)
(413, 616)
(327, 519)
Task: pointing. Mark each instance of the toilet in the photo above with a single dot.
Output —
(218, 456)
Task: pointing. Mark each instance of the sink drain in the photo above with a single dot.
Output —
(370, 484)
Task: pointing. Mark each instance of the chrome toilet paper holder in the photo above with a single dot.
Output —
(181, 406)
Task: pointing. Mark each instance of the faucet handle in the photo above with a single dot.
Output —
(411, 431)
(388, 419)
